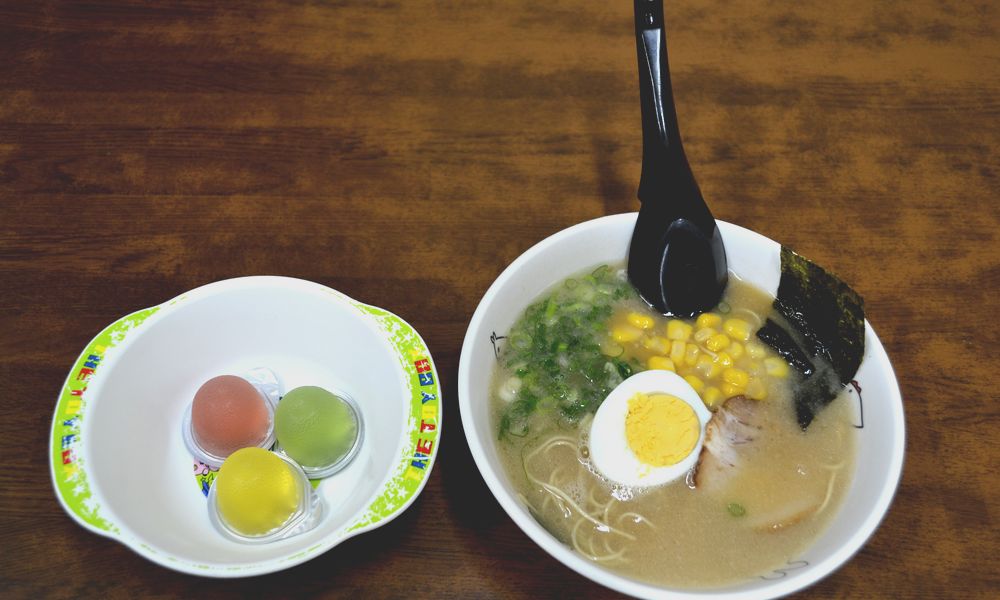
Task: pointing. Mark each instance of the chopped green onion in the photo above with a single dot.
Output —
(550, 307)
(520, 341)
(736, 509)
(600, 272)
(555, 348)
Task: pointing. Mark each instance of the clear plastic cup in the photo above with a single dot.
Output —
(261, 496)
(322, 430)
(227, 417)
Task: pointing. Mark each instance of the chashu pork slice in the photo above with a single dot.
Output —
(729, 432)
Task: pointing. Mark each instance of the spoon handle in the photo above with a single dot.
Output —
(676, 258)
(665, 170)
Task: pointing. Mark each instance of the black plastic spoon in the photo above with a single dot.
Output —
(676, 258)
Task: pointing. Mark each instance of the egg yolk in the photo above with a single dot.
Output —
(256, 491)
(661, 430)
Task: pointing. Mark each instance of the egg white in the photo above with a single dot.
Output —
(609, 450)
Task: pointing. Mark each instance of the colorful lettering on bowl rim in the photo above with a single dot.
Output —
(69, 473)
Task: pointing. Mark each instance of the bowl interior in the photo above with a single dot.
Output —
(137, 463)
(752, 257)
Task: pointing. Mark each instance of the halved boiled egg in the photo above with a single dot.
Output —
(649, 431)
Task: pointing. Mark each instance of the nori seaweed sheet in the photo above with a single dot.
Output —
(829, 318)
(825, 310)
(775, 336)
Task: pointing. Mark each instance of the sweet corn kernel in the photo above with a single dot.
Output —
(708, 320)
(712, 397)
(691, 355)
(737, 328)
(729, 390)
(677, 351)
(657, 344)
(723, 359)
(717, 342)
(661, 362)
(678, 330)
(624, 334)
(776, 367)
(756, 350)
(703, 334)
(695, 383)
(735, 350)
(707, 367)
(736, 377)
(640, 320)
(756, 390)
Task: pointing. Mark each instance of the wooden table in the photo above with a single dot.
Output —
(406, 152)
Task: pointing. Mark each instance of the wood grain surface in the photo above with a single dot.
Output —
(404, 152)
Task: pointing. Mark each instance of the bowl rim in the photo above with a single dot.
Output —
(621, 583)
(400, 487)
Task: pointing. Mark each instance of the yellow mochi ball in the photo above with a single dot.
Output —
(256, 491)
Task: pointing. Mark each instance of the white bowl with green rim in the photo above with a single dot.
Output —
(119, 464)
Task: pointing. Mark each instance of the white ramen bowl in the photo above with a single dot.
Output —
(755, 259)
(119, 464)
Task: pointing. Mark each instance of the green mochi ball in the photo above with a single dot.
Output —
(315, 427)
